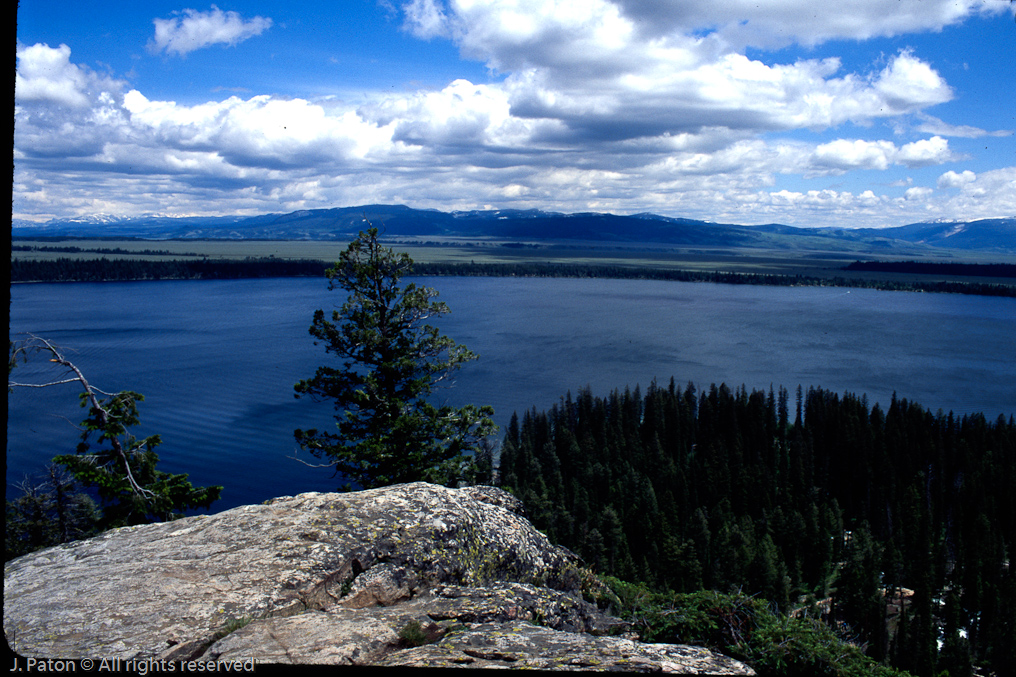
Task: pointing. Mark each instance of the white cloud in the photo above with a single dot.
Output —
(462, 115)
(503, 29)
(732, 91)
(843, 155)
(595, 67)
(459, 147)
(197, 30)
(425, 19)
(258, 132)
(926, 152)
(909, 84)
(953, 180)
(45, 74)
(783, 22)
(987, 194)
(932, 125)
(61, 110)
(631, 105)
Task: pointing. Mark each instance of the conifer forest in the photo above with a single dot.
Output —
(895, 525)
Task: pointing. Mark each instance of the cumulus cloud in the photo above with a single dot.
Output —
(595, 71)
(910, 84)
(461, 147)
(732, 92)
(259, 132)
(926, 152)
(497, 27)
(196, 30)
(61, 109)
(744, 23)
(460, 116)
(589, 66)
(45, 74)
(953, 180)
(987, 194)
(625, 105)
(843, 155)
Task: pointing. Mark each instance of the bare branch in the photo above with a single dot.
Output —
(15, 384)
(311, 465)
(39, 344)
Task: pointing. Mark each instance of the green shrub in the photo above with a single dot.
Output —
(413, 634)
(231, 626)
(745, 628)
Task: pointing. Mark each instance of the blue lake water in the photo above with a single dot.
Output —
(217, 360)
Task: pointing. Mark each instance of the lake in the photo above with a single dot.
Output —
(217, 360)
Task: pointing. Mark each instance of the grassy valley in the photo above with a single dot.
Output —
(476, 256)
(534, 242)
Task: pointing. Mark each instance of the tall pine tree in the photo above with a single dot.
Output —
(390, 362)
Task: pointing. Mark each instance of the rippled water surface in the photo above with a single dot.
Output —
(217, 360)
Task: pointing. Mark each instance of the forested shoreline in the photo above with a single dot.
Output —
(937, 268)
(729, 490)
(124, 270)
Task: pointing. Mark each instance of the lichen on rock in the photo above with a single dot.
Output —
(321, 578)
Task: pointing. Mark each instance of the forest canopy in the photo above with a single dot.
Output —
(834, 500)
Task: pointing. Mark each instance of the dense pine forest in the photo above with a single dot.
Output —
(894, 525)
(934, 268)
(126, 269)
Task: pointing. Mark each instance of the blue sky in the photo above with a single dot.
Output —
(857, 113)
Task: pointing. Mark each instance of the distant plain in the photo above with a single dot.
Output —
(816, 263)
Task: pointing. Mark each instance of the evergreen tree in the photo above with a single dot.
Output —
(47, 512)
(387, 430)
(954, 658)
(858, 598)
(122, 470)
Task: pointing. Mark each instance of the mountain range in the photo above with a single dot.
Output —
(985, 235)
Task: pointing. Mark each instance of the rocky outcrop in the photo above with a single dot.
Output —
(413, 574)
(522, 645)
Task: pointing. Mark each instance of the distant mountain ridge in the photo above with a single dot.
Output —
(987, 235)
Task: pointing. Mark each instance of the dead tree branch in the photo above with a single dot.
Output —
(19, 352)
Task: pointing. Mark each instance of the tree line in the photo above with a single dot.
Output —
(122, 270)
(935, 268)
(828, 499)
(70, 249)
(128, 270)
